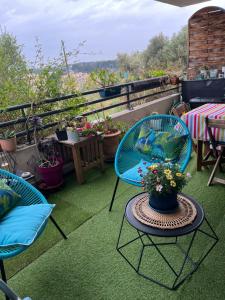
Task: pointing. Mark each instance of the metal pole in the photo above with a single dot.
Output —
(26, 126)
(129, 105)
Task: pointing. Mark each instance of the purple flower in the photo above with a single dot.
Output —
(139, 170)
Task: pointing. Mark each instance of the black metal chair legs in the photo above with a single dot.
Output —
(3, 274)
(57, 226)
(114, 193)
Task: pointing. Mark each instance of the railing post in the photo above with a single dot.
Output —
(26, 126)
(128, 90)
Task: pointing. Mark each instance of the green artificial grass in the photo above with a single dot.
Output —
(87, 265)
(75, 204)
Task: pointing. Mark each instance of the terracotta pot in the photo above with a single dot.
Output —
(174, 80)
(110, 144)
(8, 145)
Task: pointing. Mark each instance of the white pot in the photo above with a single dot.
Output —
(73, 136)
(213, 73)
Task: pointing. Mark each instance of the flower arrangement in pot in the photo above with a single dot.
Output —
(72, 132)
(111, 136)
(106, 80)
(163, 182)
(8, 140)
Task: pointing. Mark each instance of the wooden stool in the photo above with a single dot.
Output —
(218, 148)
(87, 153)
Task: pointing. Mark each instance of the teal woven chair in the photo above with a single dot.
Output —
(29, 196)
(154, 139)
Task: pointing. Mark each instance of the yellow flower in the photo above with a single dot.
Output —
(169, 177)
(178, 174)
(167, 171)
(173, 183)
(152, 167)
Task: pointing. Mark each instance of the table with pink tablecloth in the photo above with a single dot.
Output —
(195, 121)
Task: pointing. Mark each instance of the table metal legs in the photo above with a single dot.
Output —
(178, 272)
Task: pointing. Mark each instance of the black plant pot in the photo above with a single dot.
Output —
(108, 92)
(164, 203)
(61, 134)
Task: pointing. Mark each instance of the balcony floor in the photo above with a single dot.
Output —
(87, 266)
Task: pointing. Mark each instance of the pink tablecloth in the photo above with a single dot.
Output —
(195, 121)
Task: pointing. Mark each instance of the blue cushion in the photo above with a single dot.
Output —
(22, 225)
(162, 145)
(133, 175)
(8, 198)
(145, 139)
(167, 146)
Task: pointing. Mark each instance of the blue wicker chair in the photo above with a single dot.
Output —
(29, 195)
(138, 148)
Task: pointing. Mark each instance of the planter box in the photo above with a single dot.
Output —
(108, 92)
(141, 86)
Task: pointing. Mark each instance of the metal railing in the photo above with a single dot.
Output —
(130, 91)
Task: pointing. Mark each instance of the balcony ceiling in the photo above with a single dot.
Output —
(182, 3)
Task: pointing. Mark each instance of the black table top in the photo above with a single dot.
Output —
(165, 232)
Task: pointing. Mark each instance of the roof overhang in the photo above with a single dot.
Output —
(182, 3)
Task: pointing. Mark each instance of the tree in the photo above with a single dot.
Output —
(153, 56)
(14, 87)
(175, 51)
(129, 63)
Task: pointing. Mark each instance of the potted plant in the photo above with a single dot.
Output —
(204, 72)
(72, 134)
(106, 80)
(72, 131)
(163, 182)
(111, 136)
(60, 131)
(8, 141)
(49, 164)
(213, 73)
(174, 79)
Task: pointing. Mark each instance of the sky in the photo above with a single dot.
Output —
(108, 27)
